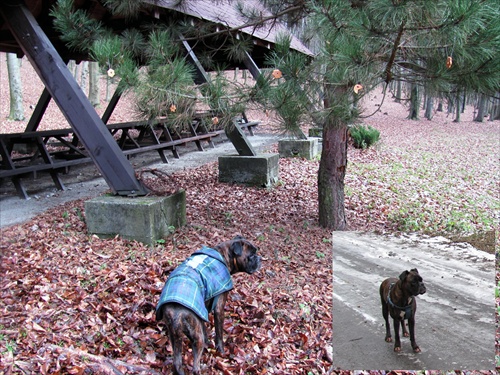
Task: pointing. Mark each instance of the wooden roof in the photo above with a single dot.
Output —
(226, 14)
(221, 13)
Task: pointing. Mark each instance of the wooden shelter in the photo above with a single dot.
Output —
(26, 28)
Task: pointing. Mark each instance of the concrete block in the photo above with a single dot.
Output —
(316, 132)
(304, 148)
(144, 219)
(261, 170)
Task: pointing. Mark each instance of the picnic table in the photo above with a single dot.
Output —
(55, 151)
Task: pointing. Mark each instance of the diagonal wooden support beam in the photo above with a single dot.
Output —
(251, 66)
(201, 75)
(39, 111)
(72, 101)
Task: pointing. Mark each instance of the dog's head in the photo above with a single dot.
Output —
(412, 282)
(240, 254)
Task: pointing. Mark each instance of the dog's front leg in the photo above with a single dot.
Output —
(219, 322)
(397, 342)
(411, 326)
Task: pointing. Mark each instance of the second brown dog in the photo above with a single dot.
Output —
(398, 300)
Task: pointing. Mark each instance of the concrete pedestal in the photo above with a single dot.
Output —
(303, 148)
(144, 219)
(316, 132)
(261, 170)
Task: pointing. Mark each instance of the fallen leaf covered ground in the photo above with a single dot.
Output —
(64, 288)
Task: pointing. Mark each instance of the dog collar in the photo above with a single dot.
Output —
(407, 309)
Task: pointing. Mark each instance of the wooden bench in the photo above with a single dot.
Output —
(152, 135)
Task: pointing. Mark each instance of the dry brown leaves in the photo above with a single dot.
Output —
(65, 293)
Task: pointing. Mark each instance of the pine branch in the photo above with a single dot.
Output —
(390, 63)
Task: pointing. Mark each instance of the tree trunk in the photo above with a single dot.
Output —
(332, 169)
(16, 88)
(429, 108)
(414, 103)
(94, 84)
(481, 108)
(457, 109)
(398, 91)
(85, 75)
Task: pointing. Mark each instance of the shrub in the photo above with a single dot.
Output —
(364, 137)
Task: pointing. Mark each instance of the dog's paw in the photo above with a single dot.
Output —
(417, 350)
(406, 334)
(388, 339)
(397, 349)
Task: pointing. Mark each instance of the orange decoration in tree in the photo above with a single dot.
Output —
(449, 62)
(173, 108)
(277, 74)
(357, 88)
(215, 120)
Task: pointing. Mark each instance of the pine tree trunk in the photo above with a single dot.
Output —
(94, 84)
(414, 103)
(398, 91)
(332, 169)
(429, 108)
(481, 108)
(457, 109)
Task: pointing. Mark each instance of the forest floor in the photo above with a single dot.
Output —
(70, 301)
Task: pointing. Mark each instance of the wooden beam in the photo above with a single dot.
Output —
(72, 101)
(201, 75)
(39, 111)
(251, 66)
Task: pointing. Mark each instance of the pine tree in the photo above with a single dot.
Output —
(446, 46)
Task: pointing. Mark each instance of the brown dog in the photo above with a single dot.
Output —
(398, 299)
(198, 286)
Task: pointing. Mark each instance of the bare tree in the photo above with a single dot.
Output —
(16, 88)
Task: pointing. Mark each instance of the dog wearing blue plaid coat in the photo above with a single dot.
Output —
(198, 286)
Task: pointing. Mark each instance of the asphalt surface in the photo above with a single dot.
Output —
(455, 319)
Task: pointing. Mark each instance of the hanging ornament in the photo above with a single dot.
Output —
(449, 62)
(111, 73)
(357, 88)
(277, 74)
(215, 120)
(173, 108)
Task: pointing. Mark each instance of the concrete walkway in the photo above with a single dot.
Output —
(455, 319)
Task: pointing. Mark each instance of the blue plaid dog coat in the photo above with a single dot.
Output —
(201, 277)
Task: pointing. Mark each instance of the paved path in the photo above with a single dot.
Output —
(455, 320)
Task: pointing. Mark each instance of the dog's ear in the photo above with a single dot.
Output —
(402, 277)
(237, 247)
(238, 237)
(414, 270)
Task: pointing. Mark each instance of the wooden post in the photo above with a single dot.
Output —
(103, 149)
(240, 141)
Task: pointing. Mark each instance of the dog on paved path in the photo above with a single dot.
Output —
(198, 286)
(398, 300)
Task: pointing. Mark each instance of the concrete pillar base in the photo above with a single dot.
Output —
(303, 148)
(144, 219)
(261, 170)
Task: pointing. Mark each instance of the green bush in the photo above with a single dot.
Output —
(364, 137)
